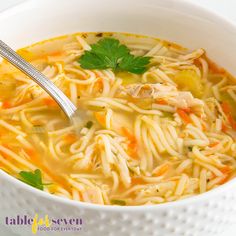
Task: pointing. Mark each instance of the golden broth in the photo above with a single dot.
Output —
(150, 138)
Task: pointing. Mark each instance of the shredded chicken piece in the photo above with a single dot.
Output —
(170, 94)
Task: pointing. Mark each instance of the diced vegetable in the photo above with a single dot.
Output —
(89, 124)
(118, 202)
(189, 80)
(167, 114)
(128, 78)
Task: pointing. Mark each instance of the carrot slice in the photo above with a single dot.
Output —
(213, 144)
(187, 109)
(232, 121)
(6, 105)
(100, 118)
(224, 180)
(137, 181)
(226, 169)
(6, 145)
(49, 102)
(56, 53)
(162, 169)
(70, 138)
(224, 128)
(161, 102)
(30, 151)
(225, 107)
(99, 84)
(132, 146)
(184, 116)
(128, 134)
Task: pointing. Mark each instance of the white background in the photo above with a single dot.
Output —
(224, 7)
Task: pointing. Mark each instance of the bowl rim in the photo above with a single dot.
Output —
(183, 4)
(66, 201)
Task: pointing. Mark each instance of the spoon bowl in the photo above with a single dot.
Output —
(61, 99)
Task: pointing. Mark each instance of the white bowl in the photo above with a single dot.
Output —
(179, 21)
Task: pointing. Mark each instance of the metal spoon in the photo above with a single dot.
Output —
(61, 99)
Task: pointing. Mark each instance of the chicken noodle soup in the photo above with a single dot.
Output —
(160, 120)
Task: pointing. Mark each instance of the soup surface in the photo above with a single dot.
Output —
(160, 120)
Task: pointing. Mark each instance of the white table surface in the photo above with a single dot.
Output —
(225, 7)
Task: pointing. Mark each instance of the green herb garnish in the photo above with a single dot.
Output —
(89, 124)
(133, 64)
(109, 53)
(118, 202)
(190, 149)
(167, 114)
(32, 178)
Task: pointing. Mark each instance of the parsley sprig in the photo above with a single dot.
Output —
(109, 53)
(32, 178)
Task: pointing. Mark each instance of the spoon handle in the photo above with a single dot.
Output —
(62, 100)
